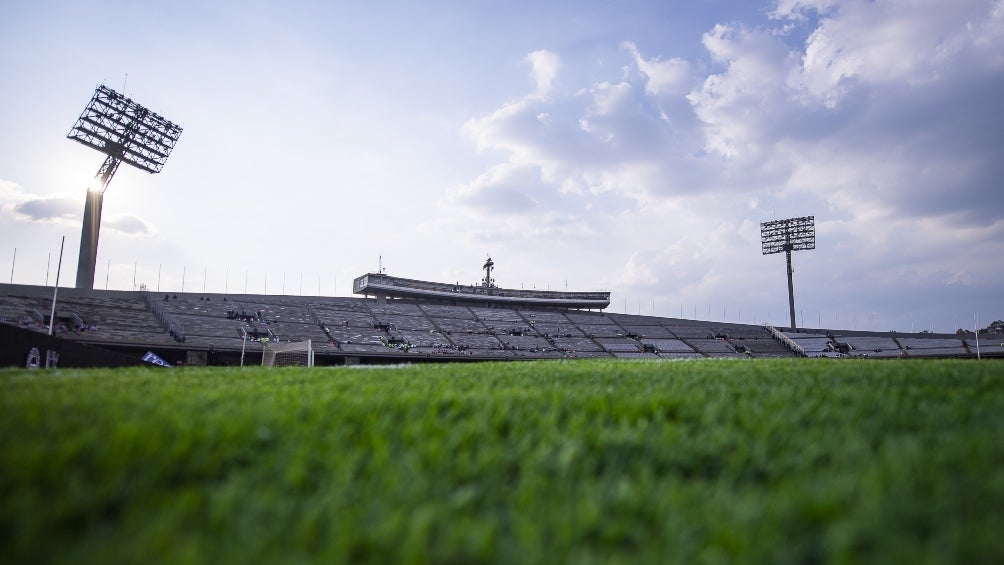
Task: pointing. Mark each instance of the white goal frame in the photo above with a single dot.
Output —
(294, 353)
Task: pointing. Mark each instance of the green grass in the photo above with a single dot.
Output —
(543, 462)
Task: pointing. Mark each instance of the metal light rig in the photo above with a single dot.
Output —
(125, 132)
(792, 234)
(488, 281)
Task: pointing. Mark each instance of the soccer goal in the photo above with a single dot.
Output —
(292, 354)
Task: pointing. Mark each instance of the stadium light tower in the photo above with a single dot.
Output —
(125, 132)
(793, 234)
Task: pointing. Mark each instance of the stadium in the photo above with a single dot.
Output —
(577, 436)
(396, 320)
(491, 425)
(402, 321)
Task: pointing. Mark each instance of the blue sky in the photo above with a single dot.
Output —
(631, 146)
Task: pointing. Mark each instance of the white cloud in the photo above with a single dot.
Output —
(22, 206)
(798, 9)
(672, 77)
(856, 117)
(878, 43)
(883, 124)
(743, 108)
(57, 209)
(607, 137)
(8, 189)
(545, 66)
(48, 209)
(506, 188)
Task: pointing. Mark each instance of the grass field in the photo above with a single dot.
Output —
(538, 462)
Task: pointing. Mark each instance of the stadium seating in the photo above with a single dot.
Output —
(579, 346)
(929, 347)
(813, 344)
(670, 345)
(411, 329)
(989, 346)
(871, 346)
(619, 345)
(714, 347)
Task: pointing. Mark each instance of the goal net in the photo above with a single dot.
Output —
(292, 354)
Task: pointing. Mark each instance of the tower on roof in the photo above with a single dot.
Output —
(488, 281)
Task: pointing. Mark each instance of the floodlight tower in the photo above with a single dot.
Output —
(125, 132)
(793, 234)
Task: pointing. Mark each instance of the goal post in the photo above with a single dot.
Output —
(291, 354)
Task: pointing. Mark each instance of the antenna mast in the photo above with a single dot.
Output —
(488, 281)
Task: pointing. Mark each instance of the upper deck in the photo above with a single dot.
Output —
(385, 286)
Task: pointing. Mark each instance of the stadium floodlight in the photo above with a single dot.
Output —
(792, 234)
(126, 133)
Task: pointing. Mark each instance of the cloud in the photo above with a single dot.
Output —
(8, 189)
(48, 209)
(882, 43)
(25, 207)
(545, 66)
(506, 188)
(607, 137)
(22, 206)
(856, 117)
(128, 224)
(880, 118)
(672, 77)
(884, 107)
(745, 109)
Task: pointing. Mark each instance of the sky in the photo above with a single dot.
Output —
(632, 146)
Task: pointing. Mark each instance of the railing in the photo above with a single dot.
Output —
(166, 320)
(787, 341)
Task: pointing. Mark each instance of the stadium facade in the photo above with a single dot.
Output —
(106, 328)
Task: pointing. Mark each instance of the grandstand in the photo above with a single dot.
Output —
(382, 286)
(211, 328)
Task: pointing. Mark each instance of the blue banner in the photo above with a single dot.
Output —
(155, 359)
